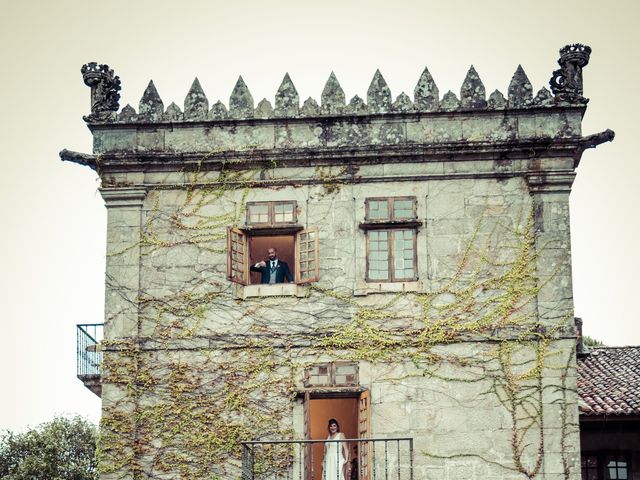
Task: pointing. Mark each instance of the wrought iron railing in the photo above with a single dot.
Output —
(369, 459)
(89, 335)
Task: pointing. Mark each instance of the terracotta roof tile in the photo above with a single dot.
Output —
(609, 381)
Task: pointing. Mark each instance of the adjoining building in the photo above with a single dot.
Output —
(609, 389)
(430, 305)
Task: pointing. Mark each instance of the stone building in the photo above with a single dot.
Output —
(430, 310)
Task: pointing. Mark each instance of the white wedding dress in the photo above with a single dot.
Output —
(333, 462)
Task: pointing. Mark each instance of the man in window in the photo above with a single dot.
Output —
(273, 270)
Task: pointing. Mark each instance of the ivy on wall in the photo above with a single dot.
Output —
(208, 370)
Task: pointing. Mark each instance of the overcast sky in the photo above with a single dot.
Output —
(52, 243)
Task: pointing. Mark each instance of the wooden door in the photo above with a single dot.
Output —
(364, 431)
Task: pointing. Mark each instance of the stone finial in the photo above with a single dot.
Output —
(379, 94)
(520, 91)
(357, 106)
(264, 109)
(497, 100)
(332, 97)
(566, 82)
(128, 114)
(403, 103)
(426, 96)
(310, 108)
(105, 88)
(218, 111)
(287, 99)
(173, 113)
(151, 107)
(196, 105)
(472, 92)
(450, 102)
(240, 101)
(543, 98)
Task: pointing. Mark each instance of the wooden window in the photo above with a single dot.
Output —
(307, 256)
(275, 220)
(616, 467)
(390, 209)
(391, 255)
(237, 261)
(391, 225)
(271, 214)
(605, 465)
(333, 374)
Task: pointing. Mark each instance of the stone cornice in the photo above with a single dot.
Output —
(126, 196)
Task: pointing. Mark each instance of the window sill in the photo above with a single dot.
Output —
(387, 287)
(265, 290)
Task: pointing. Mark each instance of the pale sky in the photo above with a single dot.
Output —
(52, 246)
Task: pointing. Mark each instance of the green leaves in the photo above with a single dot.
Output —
(62, 449)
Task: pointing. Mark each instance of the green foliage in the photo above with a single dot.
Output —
(591, 342)
(62, 449)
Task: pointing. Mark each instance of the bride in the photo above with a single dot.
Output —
(336, 454)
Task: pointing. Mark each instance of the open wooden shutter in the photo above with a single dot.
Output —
(364, 431)
(237, 256)
(308, 447)
(307, 268)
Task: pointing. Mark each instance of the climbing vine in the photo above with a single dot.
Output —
(207, 369)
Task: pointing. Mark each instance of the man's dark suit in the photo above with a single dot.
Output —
(282, 272)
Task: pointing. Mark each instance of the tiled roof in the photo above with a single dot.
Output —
(609, 381)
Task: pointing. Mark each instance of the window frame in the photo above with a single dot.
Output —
(391, 278)
(244, 234)
(390, 209)
(271, 223)
(391, 225)
(601, 467)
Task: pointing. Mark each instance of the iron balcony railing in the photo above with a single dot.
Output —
(369, 459)
(89, 335)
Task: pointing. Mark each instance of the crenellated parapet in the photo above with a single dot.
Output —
(566, 85)
(470, 124)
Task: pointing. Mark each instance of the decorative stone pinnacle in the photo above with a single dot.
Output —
(196, 105)
(173, 113)
(332, 97)
(105, 88)
(218, 111)
(520, 93)
(472, 92)
(241, 101)
(264, 109)
(497, 100)
(566, 82)
(379, 94)
(310, 108)
(151, 107)
(403, 103)
(127, 114)
(426, 96)
(287, 99)
(357, 106)
(450, 102)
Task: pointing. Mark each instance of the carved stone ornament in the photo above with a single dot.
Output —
(566, 82)
(104, 92)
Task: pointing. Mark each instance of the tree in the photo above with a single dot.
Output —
(591, 342)
(62, 449)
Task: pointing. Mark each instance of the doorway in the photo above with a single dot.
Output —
(352, 414)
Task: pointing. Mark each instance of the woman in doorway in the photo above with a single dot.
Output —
(336, 454)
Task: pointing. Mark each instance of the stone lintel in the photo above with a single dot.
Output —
(121, 197)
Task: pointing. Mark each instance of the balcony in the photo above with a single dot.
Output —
(375, 459)
(88, 336)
